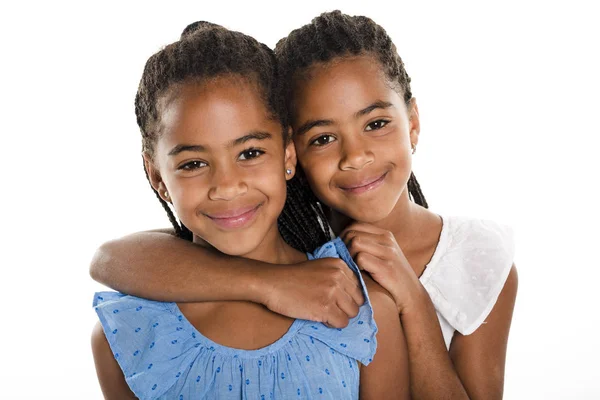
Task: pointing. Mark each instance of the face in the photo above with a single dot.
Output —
(222, 161)
(353, 134)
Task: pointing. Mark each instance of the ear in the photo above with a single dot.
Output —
(155, 178)
(290, 159)
(414, 122)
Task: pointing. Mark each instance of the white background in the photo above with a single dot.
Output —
(509, 100)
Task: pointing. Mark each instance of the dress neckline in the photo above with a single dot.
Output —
(242, 353)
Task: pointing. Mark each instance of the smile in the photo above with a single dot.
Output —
(234, 219)
(365, 185)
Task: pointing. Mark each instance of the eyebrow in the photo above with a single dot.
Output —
(378, 104)
(186, 147)
(254, 135)
(307, 126)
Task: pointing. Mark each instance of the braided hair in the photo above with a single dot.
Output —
(333, 35)
(206, 51)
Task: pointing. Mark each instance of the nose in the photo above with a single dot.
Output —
(355, 155)
(227, 185)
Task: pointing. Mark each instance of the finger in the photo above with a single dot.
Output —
(369, 243)
(356, 293)
(336, 318)
(382, 239)
(347, 304)
(373, 265)
(364, 227)
(348, 273)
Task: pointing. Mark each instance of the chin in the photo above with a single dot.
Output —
(368, 215)
(235, 246)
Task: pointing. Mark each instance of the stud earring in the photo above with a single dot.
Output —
(288, 171)
(167, 195)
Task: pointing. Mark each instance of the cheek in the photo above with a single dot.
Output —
(185, 194)
(318, 165)
(269, 179)
(319, 169)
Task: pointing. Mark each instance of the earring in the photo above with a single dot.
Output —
(167, 195)
(413, 147)
(288, 171)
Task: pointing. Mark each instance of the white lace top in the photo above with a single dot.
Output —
(467, 272)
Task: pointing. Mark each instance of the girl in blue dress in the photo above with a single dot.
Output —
(216, 149)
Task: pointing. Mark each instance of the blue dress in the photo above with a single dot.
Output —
(163, 356)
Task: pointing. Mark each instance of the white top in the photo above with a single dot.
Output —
(467, 272)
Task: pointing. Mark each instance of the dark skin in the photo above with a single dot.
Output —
(367, 131)
(323, 290)
(221, 171)
(354, 128)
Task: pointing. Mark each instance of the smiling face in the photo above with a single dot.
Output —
(222, 161)
(353, 135)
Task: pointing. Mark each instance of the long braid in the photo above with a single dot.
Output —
(302, 218)
(414, 189)
(334, 35)
(172, 218)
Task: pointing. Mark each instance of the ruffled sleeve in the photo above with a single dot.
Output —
(148, 340)
(357, 340)
(468, 271)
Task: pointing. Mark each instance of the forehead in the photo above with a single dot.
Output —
(213, 111)
(350, 83)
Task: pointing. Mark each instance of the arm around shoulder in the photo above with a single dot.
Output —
(387, 376)
(160, 266)
(110, 376)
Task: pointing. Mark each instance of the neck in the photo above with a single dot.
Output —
(404, 221)
(271, 249)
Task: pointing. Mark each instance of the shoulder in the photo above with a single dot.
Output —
(471, 245)
(469, 270)
(468, 234)
(381, 300)
(385, 313)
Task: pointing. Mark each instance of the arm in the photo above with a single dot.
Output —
(109, 373)
(479, 358)
(160, 266)
(475, 366)
(387, 376)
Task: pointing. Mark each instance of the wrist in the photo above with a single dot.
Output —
(415, 302)
(259, 284)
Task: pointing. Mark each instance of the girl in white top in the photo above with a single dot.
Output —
(356, 126)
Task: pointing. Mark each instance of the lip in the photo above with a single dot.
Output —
(365, 185)
(234, 219)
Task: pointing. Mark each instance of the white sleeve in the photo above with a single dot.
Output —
(466, 281)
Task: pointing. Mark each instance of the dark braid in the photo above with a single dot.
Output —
(206, 51)
(333, 35)
(414, 190)
(180, 231)
(302, 217)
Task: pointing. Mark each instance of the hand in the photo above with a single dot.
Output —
(376, 251)
(322, 290)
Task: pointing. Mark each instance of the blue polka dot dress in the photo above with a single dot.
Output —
(163, 356)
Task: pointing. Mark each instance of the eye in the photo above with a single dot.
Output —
(322, 140)
(250, 154)
(192, 165)
(375, 125)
